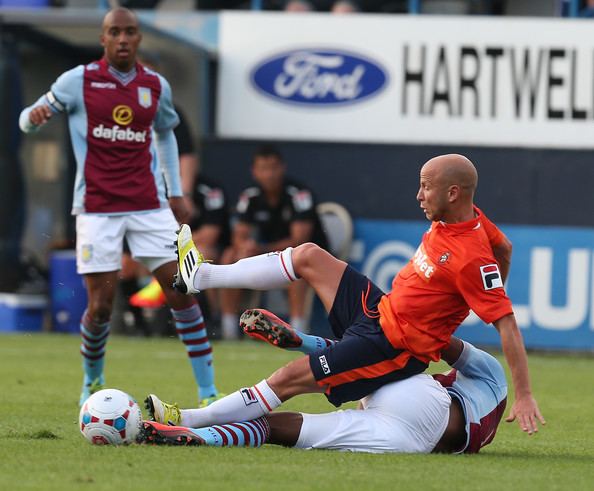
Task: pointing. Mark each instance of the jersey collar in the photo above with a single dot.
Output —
(458, 228)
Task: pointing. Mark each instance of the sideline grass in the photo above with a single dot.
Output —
(41, 448)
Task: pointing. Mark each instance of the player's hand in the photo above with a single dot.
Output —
(178, 207)
(190, 206)
(40, 115)
(525, 410)
(248, 248)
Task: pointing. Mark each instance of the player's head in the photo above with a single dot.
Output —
(268, 168)
(447, 185)
(120, 38)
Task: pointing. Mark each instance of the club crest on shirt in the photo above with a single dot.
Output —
(491, 277)
(86, 252)
(444, 257)
(144, 97)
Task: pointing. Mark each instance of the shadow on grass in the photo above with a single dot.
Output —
(552, 455)
(31, 435)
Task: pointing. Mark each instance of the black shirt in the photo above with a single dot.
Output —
(211, 208)
(297, 203)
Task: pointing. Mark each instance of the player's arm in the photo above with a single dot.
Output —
(242, 239)
(503, 253)
(169, 160)
(500, 244)
(63, 96)
(300, 232)
(207, 236)
(166, 119)
(525, 409)
(214, 218)
(188, 163)
(476, 364)
(452, 352)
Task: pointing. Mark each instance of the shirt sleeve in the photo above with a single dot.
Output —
(303, 204)
(215, 205)
(65, 95)
(494, 235)
(244, 210)
(166, 117)
(169, 161)
(477, 364)
(481, 285)
(183, 135)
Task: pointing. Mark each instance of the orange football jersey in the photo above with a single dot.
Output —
(452, 271)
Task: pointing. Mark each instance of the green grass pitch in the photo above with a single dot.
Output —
(42, 449)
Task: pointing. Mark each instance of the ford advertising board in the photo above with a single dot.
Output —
(319, 77)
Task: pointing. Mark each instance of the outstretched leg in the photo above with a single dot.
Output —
(253, 433)
(316, 266)
(265, 326)
(245, 404)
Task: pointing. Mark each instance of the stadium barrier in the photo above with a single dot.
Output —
(68, 296)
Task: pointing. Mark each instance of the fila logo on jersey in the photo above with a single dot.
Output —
(324, 364)
(248, 396)
(491, 277)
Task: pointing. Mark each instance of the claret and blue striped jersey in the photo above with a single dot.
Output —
(121, 128)
(478, 381)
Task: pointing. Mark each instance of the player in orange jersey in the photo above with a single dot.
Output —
(461, 264)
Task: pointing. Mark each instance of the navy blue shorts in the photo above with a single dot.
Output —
(363, 360)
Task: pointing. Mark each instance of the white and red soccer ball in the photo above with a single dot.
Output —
(110, 417)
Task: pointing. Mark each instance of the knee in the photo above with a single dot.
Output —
(304, 256)
(229, 256)
(99, 311)
(282, 383)
(293, 379)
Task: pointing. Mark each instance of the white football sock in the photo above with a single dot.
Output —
(300, 324)
(243, 405)
(230, 326)
(263, 272)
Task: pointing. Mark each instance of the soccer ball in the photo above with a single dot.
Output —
(110, 416)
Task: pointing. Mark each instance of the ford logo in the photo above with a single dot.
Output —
(319, 77)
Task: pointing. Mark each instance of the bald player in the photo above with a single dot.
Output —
(121, 121)
(461, 264)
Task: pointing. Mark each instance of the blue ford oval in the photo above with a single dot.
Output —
(320, 77)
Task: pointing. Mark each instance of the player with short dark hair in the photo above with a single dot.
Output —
(121, 120)
(383, 337)
(275, 213)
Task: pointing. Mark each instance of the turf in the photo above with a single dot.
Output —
(42, 449)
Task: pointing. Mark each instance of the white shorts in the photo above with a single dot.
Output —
(408, 416)
(100, 240)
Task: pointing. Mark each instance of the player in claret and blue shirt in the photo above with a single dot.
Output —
(455, 412)
(121, 120)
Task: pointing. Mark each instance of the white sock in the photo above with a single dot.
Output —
(230, 326)
(245, 404)
(263, 272)
(300, 324)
